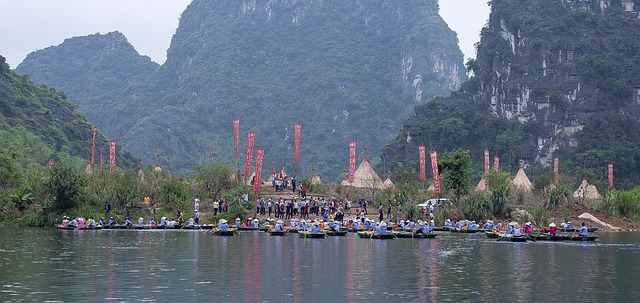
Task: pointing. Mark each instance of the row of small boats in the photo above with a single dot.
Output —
(538, 237)
(334, 233)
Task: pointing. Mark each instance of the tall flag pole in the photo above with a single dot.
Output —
(436, 174)
(610, 176)
(249, 155)
(112, 156)
(236, 141)
(296, 147)
(258, 179)
(486, 166)
(352, 161)
(556, 169)
(211, 156)
(423, 162)
(93, 146)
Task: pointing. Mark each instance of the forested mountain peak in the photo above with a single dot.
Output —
(345, 70)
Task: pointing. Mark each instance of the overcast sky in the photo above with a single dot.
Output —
(29, 25)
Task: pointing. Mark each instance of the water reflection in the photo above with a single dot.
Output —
(116, 266)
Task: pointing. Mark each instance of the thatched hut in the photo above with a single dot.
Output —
(522, 182)
(587, 191)
(365, 177)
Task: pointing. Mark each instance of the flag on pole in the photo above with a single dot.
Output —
(496, 163)
(93, 146)
(436, 174)
(556, 163)
(296, 143)
(257, 181)
(423, 163)
(610, 176)
(249, 155)
(112, 156)
(352, 161)
(236, 135)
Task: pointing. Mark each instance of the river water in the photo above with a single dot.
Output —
(48, 265)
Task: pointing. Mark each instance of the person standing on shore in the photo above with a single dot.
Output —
(196, 203)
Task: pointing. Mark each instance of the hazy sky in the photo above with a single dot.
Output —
(29, 25)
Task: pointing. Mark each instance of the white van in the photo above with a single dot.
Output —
(434, 202)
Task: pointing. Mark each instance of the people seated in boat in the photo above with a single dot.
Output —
(238, 222)
(432, 225)
(583, 231)
(128, 222)
(92, 222)
(223, 225)
(152, 222)
(267, 223)
(448, 223)
(499, 226)
(516, 230)
(191, 222)
(111, 221)
(528, 228)
(171, 223)
(294, 223)
(82, 223)
(382, 228)
(73, 223)
(410, 224)
(511, 227)
(355, 225)
(303, 224)
(473, 225)
(163, 221)
(315, 228)
(401, 225)
(255, 223)
(65, 221)
(553, 230)
(333, 225)
(141, 221)
(489, 225)
(278, 226)
(421, 227)
(567, 225)
(101, 222)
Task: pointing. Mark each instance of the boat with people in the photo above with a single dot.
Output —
(277, 233)
(224, 233)
(463, 231)
(312, 235)
(411, 235)
(512, 238)
(338, 233)
(374, 235)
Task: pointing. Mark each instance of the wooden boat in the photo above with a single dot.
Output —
(463, 231)
(142, 227)
(575, 230)
(372, 235)
(355, 230)
(294, 230)
(333, 233)
(441, 228)
(547, 237)
(99, 227)
(224, 233)
(207, 226)
(511, 238)
(410, 235)
(191, 227)
(278, 233)
(66, 227)
(312, 235)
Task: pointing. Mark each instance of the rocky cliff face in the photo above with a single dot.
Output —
(559, 63)
(344, 70)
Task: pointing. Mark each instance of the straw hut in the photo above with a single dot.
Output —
(315, 179)
(88, 169)
(521, 181)
(158, 168)
(365, 177)
(283, 173)
(587, 191)
(388, 183)
(482, 185)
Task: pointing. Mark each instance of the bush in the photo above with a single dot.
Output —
(477, 206)
(540, 215)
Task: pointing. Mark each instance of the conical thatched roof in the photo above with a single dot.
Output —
(365, 177)
(248, 181)
(315, 179)
(521, 181)
(283, 173)
(587, 191)
(482, 185)
(388, 183)
(431, 188)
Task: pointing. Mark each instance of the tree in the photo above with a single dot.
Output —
(65, 185)
(456, 168)
(213, 179)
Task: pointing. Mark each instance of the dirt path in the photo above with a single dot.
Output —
(578, 213)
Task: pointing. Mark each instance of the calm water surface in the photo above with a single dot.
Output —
(48, 265)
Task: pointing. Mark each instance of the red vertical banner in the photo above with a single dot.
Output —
(258, 179)
(112, 156)
(556, 169)
(93, 146)
(352, 161)
(486, 161)
(296, 143)
(423, 163)
(249, 156)
(496, 163)
(236, 135)
(436, 174)
(610, 176)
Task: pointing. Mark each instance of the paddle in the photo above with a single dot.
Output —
(528, 236)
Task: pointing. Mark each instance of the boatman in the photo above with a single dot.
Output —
(583, 231)
(92, 222)
(141, 221)
(383, 228)
(222, 225)
(278, 226)
(111, 221)
(128, 222)
(255, 223)
(238, 222)
(553, 230)
(163, 221)
(303, 224)
(197, 219)
(334, 225)
(316, 227)
(489, 225)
